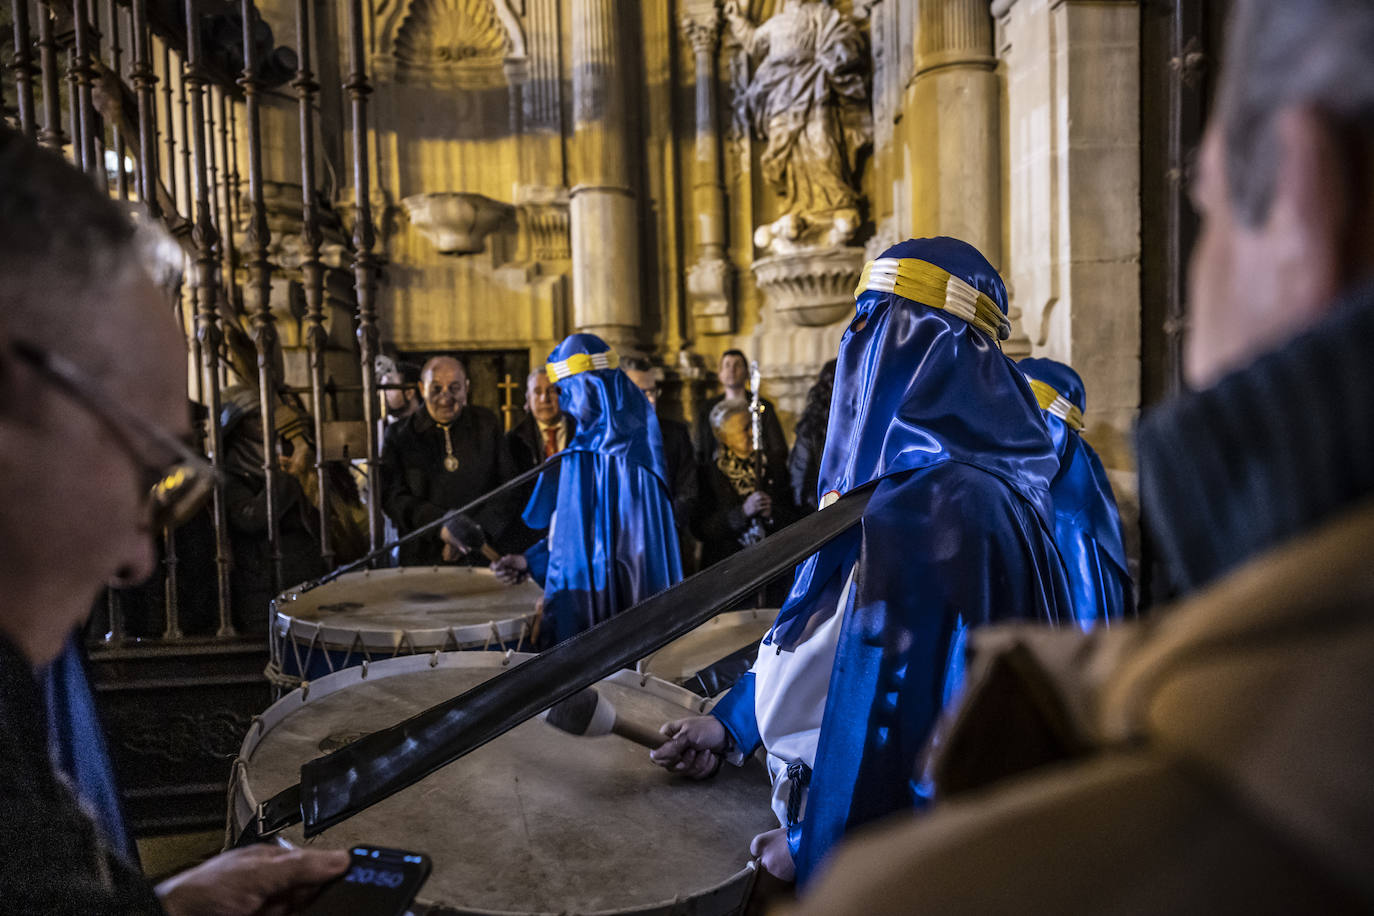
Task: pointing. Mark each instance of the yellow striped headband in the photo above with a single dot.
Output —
(1052, 402)
(923, 282)
(581, 362)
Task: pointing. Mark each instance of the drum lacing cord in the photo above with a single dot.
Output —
(799, 775)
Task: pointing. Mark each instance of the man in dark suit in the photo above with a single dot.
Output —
(545, 430)
(733, 374)
(683, 483)
(441, 458)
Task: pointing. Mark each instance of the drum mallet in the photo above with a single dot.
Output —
(589, 714)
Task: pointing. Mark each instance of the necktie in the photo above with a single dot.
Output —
(550, 441)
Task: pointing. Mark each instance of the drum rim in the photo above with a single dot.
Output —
(243, 804)
(333, 637)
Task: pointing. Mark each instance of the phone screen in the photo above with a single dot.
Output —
(379, 882)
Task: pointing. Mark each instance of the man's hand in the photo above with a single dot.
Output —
(693, 748)
(511, 568)
(758, 503)
(774, 854)
(260, 880)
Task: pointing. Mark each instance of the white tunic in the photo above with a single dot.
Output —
(790, 688)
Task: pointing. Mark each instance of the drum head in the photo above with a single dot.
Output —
(434, 607)
(714, 640)
(538, 821)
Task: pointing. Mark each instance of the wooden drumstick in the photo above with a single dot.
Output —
(489, 552)
(589, 714)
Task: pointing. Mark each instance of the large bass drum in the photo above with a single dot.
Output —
(374, 614)
(537, 821)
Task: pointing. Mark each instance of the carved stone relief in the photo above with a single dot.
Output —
(460, 44)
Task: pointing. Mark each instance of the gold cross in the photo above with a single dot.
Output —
(508, 389)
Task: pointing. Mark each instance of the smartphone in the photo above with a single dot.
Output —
(379, 882)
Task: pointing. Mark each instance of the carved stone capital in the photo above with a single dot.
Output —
(810, 287)
(702, 31)
(710, 285)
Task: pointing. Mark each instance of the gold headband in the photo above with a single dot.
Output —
(923, 282)
(581, 362)
(1051, 401)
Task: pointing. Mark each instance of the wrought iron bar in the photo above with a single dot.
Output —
(208, 92)
(79, 76)
(364, 262)
(23, 67)
(117, 135)
(169, 134)
(98, 168)
(188, 201)
(259, 290)
(208, 332)
(170, 584)
(188, 191)
(144, 80)
(312, 268)
(51, 134)
(226, 210)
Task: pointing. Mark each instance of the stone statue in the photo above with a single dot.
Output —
(808, 99)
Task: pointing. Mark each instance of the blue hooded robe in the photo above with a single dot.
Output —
(613, 541)
(958, 532)
(1087, 526)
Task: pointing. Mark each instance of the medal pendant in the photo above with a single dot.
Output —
(450, 464)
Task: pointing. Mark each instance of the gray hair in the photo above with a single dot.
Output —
(726, 409)
(64, 246)
(1282, 53)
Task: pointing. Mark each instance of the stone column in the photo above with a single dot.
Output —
(1073, 177)
(604, 212)
(710, 279)
(952, 127)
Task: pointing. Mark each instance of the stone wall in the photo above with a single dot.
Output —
(613, 181)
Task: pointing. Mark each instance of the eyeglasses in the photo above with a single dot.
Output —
(178, 483)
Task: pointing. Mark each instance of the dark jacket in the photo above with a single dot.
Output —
(720, 519)
(416, 489)
(526, 442)
(684, 483)
(52, 860)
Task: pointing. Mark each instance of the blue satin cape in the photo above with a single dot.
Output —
(1087, 525)
(957, 534)
(78, 744)
(614, 541)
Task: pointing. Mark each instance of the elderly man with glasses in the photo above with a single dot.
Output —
(94, 400)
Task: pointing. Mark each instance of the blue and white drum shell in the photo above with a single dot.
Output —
(369, 615)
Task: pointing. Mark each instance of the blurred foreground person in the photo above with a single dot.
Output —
(91, 414)
(958, 533)
(1217, 758)
(1087, 525)
(611, 539)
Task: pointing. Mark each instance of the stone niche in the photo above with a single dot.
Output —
(479, 258)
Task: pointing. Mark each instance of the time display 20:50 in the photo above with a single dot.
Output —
(375, 876)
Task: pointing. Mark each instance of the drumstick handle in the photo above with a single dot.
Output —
(489, 552)
(638, 733)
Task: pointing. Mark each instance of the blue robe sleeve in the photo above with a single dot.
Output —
(735, 710)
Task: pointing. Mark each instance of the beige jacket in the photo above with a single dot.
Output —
(1226, 763)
